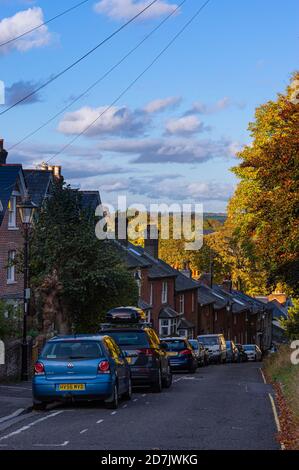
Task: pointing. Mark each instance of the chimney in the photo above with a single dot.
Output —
(3, 153)
(151, 241)
(55, 169)
(227, 285)
(186, 269)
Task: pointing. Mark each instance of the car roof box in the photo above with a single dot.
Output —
(125, 315)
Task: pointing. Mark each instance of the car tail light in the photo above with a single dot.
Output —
(104, 367)
(186, 352)
(39, 368)
(147, 351)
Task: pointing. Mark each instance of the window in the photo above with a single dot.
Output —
(216, 316)
(193, 302)
(12, 213)
(11, 266)
(151, 299)
(164, 327)
(168, 327)
(182, 304)
(164, 293)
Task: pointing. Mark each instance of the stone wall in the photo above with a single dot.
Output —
(11, 370)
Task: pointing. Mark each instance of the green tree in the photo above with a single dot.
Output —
(88, 274)
(291, 324)
(10, 321)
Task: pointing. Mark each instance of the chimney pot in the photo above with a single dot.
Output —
(3, 153)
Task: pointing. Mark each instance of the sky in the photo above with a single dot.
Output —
(174, 135)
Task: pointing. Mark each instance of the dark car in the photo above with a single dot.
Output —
(81, 367)
(200, 352)
(181, 354)
(232, 352)
(242, 354)
(148, 360)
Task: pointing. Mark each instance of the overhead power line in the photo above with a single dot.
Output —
(29, 31)
(161, 53)
(69, 67)
(94, 84)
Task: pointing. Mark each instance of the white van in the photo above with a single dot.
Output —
(216, 347)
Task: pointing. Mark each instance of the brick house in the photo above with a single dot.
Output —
(168, 296)
(12, 190)
(15, 183)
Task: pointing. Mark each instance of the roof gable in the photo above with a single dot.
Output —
(9, 177)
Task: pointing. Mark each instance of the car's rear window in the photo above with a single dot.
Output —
(176, 345)
(130, 338)
(194, 343)
(72, 350)
(209, 340)
(249, 347)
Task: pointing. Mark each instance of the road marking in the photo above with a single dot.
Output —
(64, 444)
(100, 421)
(33, 423)
(83, 431)
(263, 375)
(125, 406)
(275, 413)
(113, 412)
(276, 419)
(135, 399)
(147, 402)
(13, 415)
(144, 395)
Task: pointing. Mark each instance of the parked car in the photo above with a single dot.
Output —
(242, 354)
(253, 352)
(216, 347)
(200, 352)
(232, 352)
(181, 354)
(147, 359)
(81, 367)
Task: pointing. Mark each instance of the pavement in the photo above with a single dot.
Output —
(219, 408)
(15, 399)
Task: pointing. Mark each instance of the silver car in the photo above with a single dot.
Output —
(253, 352)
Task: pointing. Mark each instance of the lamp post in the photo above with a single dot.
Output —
(26, 211)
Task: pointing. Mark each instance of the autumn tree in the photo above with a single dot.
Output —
(263, 214)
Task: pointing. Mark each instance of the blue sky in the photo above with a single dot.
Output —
(173, 137)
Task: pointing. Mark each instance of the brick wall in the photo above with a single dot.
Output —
(10, 239)
(11, 370)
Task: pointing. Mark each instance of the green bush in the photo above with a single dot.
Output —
(10, 321)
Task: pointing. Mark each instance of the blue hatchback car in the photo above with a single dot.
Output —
(81, 367)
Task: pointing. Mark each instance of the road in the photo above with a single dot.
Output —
(219, 407)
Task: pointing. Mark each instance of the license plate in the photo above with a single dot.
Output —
(70, 387)
(172, 354)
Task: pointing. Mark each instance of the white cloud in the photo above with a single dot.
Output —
(184, 125)
(126, 9)
(159, 105)
(164, 190)
(221, 105)
(115, 121)
(18, 24)
(171, 150)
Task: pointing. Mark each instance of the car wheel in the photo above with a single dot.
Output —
(157, 386)
(113, 405)
(39, 405)
(128, 394)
